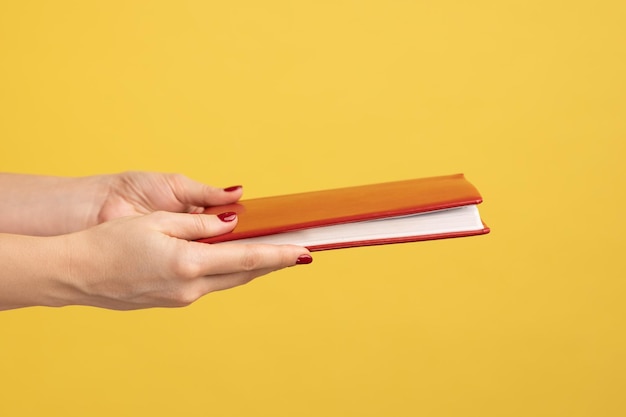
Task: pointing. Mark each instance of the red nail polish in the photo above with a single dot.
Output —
(229, 216)
(233, 188)
(304, 259)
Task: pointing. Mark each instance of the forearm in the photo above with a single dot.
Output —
(32, 271)
(46, 205)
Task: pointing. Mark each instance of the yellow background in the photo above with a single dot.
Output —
(527, 98)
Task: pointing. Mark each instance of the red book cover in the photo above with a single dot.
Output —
(271, 216)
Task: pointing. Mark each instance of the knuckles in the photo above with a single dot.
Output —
(251, 258)
(185, 297)
(202, 225)
(184, 267)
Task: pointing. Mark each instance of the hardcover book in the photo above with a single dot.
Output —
(375, 214)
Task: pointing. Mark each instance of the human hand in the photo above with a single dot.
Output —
(152, 261)
(133, 193)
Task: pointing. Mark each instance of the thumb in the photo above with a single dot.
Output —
(193, 226)
(194, 193)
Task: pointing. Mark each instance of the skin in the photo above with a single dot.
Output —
(122, 241)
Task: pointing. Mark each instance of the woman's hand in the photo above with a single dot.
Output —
(132, 193)
(135, 262)
(122, 241)
(46, 205)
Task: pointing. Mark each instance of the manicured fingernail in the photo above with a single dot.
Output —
(229, 216)
(233, 188)
(304, 259)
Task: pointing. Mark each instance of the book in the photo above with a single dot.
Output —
(374, 214)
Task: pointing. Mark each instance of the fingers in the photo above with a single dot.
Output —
(196, 194)
(206, 268)
(193, 226)
(227, 258)
(218, 282)
(199, 268)
(223, 258)
(223, 282)
(200, 287)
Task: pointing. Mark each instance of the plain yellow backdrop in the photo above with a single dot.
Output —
(527, 98)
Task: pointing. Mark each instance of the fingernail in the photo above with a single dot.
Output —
(229, 216)
(233, 188)
(304, 259)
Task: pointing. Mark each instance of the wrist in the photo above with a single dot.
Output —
(34, 272)
(85, 198)
(47, 205)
